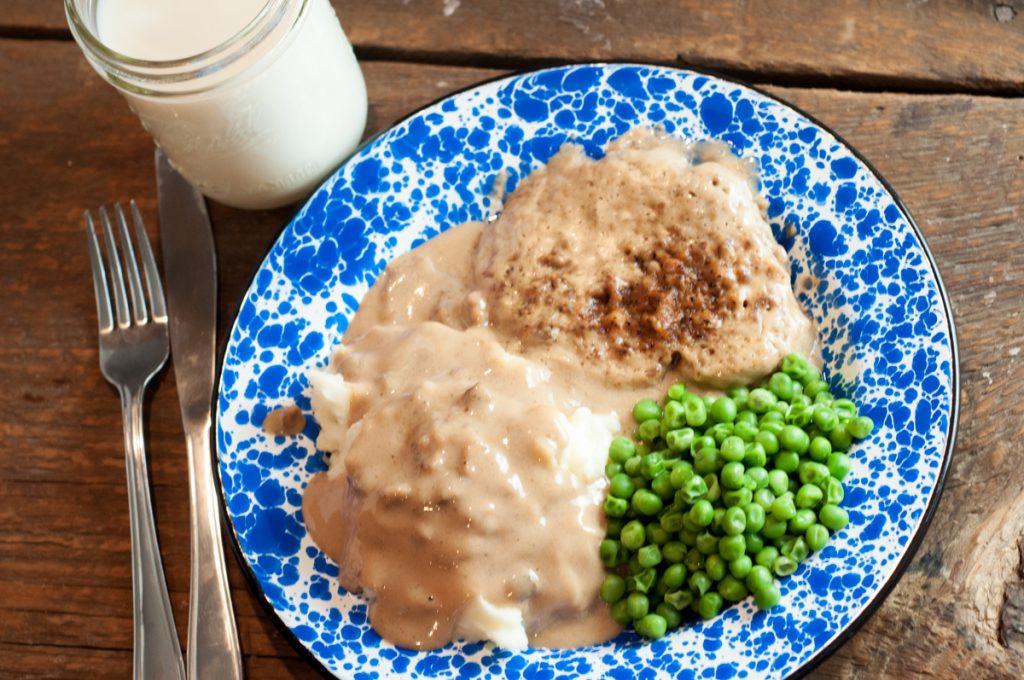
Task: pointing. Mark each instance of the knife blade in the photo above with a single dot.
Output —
(190, 273)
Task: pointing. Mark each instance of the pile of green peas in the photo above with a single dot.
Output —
(713, 498)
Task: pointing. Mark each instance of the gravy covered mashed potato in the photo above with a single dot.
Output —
(469, 410)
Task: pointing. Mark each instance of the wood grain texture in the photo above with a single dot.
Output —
(65, 612)
(878, 43)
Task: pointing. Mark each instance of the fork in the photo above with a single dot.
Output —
(133, 348)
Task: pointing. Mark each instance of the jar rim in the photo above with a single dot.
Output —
(147, 76)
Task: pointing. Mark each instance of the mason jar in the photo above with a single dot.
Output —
(256, 120)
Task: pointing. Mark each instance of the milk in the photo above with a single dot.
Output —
(273, 117)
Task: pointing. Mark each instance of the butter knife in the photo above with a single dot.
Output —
(190, 273)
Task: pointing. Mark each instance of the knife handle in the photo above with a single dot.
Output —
(213, 649)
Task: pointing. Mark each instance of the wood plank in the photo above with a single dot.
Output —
(64, 577)
(853, 42)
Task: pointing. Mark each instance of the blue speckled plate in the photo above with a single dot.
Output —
(884, 319)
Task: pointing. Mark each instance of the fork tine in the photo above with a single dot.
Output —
(116, 277)
(99, 276)
(134, 281)
(156, 289)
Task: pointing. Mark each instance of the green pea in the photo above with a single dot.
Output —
(680, 440)
(838, 465)
(734, 522)
(720, 432)
(787, 461)
(662, 485)
(709, 605)
(773, 528)
(754, 542)
(738, 396)
(860, 427)
(714, 490)
(815, 387)
(646, 502)
(845, 408)
(759, 476)
(741, 566)
(738, 497)
(643, 580)
(620, 613)
(732, 475)
(656, 534)
(834, 491)
(637, 605)
(706, 461)
(703, 442)
(699, 582)
(733, 449)
(746, 416)
(672, 521)
(833, 517)
(677, 392)
(615, 507)
(775, 417)
(794, 439)
(715, 567)
(674, 577)
(783, 566)
(824, 398)
(778, 482)
(688, 537)
(649, 555)
(649, 430)
(731, 547)
(765, 497)
(781, 386)
(621, 486)
(761, 400)
(816, 536)
(611, 469)
(809, 496)
(819, 449)
(646, 410)
(723, 410)
(696, 411)
(812, 473)
(768, 598)
(759, 578)
(783, 507)
(621, 449)
(766, 556)
(732, 589)
(801, 521)
(840, 438)
(755, 516)
(795, 549)
(613, 588)
(680, 599)
(745, 430)
(673, 552)
(825, 418)
(671, 615)
(798, 414)
(652, 465)
(633, 535)
(702, 513)
(707, 543)
(674, 416)
(632, 466)
(797, 367)
(694, 560)
(609, 551)
(754, 455)
(773, 427)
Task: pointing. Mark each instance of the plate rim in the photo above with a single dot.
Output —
(854, 626)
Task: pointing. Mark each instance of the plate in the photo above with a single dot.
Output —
(884, 319)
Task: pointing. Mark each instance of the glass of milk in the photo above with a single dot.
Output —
(253, 101)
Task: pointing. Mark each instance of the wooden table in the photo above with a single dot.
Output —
(930, 92)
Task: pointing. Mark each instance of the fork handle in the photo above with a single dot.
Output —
(213, 648)
(157, 650)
